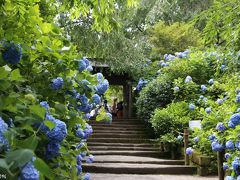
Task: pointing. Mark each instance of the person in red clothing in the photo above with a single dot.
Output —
(120, 110)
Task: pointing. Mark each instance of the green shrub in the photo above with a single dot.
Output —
(172, 119)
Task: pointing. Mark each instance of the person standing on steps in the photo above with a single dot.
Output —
(120, 110)
(114, 108)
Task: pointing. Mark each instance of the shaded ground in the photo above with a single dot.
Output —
(148, 177)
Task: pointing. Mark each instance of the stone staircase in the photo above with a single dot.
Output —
(123, 147)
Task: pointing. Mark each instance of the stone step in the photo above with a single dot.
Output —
(94, 144)
(118, 140)
(119, 125)
(125, 148)
(117, 122)
(119, 128)
(135, 160)
(118, 131)
(117, 135)
(130, 168)
(157, 154)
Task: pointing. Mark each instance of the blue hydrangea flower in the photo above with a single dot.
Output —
(196, 139)
(191, 107)
(201, 97)
(219, 101)
(230, 145)
(141, 84)
(86, 84)
(79, 159)
(87, 62)
(90, 159)
(79, 169)
(57, 83)
(203, 88)
(12, 53)
(52, 150)
(216, 146)
(88, 131)
(87, 116)
(90, 68)
(86, 176)
(212, 137)
(168, 57)
(86, 108)
(230, 178)
(225, 166)
(237, 144)
(208, 110)
(227, 155)
(181, 54)
(188, 79)
(234, 120)
(211, 81)
(238, 98)
(102, 87)
(45, 104)
(3, 140)
(3, 126)
(100, 77)
(220, 126)
(176, 88)
(223, 67)
(79, 133)
(163, 64)
(83, 98)
(189, 151)
(179, 138)
(59, 132)
(96, 99)
(236, 165)
(29, 172)
(82, 65)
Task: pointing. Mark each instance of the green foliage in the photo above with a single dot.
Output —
(222, 24)
(171, 119)
(173, 38)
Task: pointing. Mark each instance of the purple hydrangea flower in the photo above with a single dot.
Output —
(100, 77)
(189, 151)
(234, 120)
(57, 83)
(236, 165)
(12, 53)
(79, 169)
(220, 126)
(79, 159)
(90, 68)
(141, 84)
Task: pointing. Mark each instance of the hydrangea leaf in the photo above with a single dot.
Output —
(16, 76)
(19, 157)
(43, 168)
(29, 143)
(37, 110)
(3, 73)
(49, 124)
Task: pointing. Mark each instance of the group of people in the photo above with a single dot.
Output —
(116, 109)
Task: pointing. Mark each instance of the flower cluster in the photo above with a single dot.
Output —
(12, 53)
(189, 151)
(102, 87)
(141, 84)
(3, 140)
(188, 79)
(96, 99)
(85, 106)
(83, 134)
(191, 107)
(84, 64)
(29, 172)
(57, 83)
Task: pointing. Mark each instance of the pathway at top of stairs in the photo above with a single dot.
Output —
(123, 147)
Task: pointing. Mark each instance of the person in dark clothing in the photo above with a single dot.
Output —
(120, 110)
